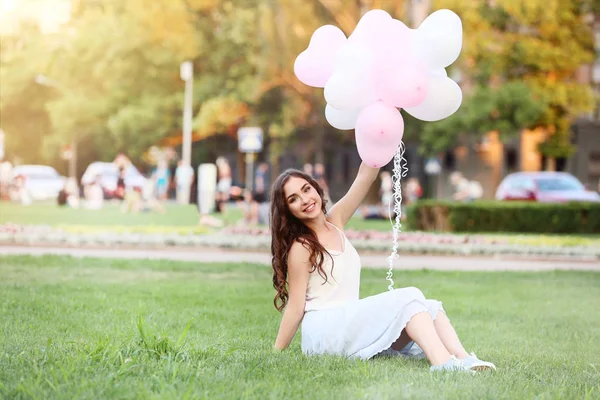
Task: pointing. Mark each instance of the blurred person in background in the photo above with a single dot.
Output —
(308, 169)
(94, 194)
(132, 201)
(260, 183)
(224, 181)
(414, 191)
(69, 194)
(162, 177)
(184, 177)
(250, 211)
(18, 192)
(261, 194)
(148, 197)
(465, 190)
(120, 190)
(319, 175)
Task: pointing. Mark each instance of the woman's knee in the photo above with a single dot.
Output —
(413, 292)
(435, 308)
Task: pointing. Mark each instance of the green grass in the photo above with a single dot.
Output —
(176, 216)
(176, 219)
(89, 328)
(110, 215)
(360, 224)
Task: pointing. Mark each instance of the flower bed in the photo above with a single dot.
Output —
(259, 239)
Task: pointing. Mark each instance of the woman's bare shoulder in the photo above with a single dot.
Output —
(299, 256)
(299, 248)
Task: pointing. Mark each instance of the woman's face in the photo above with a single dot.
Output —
(302, 199)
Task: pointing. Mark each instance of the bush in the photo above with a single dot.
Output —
(496, 216)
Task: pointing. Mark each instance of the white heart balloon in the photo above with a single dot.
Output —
(438, 40)
(351, 85)
(343, 120)
(443, 99)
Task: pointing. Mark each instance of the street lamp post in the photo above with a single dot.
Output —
(45, 81)
(187, 75)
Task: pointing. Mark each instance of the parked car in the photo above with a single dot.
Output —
(545, 187)
(41, 182)
(109, 173)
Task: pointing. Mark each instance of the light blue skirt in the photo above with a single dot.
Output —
(365, 327)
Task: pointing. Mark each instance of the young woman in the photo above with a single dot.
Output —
(316, 272)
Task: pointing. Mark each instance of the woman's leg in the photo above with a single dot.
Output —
(421, 329)
(448, 335)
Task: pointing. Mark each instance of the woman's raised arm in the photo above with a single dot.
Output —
(344, 209)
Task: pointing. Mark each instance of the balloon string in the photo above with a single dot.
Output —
(400, 171)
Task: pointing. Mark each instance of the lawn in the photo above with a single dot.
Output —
(89, 328)
(110, 216)
(51, 214)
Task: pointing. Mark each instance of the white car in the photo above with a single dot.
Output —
(109, 173)
(41, 181)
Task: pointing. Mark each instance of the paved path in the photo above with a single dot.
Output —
(406, 262)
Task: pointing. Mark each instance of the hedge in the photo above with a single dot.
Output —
(497, 216)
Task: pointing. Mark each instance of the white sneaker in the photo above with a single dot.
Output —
(411, 350)
(414, 352)
(474, 363)
(454, 364)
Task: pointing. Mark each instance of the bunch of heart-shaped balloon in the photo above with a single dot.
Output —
(381, 67)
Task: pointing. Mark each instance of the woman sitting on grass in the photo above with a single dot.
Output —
(316, 272)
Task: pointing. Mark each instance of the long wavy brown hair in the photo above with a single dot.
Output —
(285, 230)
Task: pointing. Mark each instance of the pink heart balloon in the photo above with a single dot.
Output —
(315, 65)
(379, 131)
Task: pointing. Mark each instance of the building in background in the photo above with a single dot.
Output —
(585, 162)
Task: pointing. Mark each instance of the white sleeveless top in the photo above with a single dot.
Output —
(343, 283)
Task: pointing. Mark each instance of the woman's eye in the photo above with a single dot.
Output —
(307, 190)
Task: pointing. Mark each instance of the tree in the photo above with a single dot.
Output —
(22, 113)
(506, 109)
(120, 83)
(538, 42)
(117, 66)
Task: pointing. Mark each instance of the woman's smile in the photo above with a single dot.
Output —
(310, 208)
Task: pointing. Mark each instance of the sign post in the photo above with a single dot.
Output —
(250, 141)
(187, 75)
(433, 166)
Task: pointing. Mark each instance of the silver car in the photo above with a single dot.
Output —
(42, 182)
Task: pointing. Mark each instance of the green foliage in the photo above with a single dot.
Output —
(506, 109)
(22, 102)
(540, 43)
(525, 217)
(176, 219)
